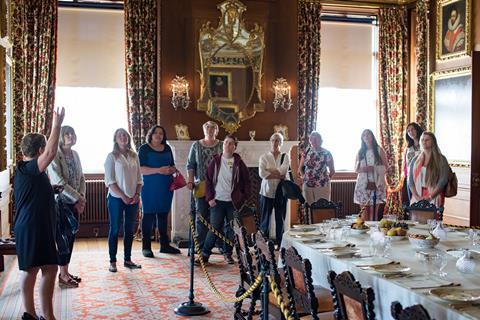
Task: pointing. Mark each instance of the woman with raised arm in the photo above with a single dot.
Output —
(371, 164)
(157, 166)
(35, 220)
(124, 182)
(66, 171)
(429, 172)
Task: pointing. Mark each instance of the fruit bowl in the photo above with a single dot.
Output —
(396, 238)
(421, 242)
(359, 231)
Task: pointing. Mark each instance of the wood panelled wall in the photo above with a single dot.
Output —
(180, 22)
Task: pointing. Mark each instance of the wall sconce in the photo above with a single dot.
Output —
(282, 95)
(180, 97)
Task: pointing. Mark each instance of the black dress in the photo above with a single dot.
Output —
(35, 220)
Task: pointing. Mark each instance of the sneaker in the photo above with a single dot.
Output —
(169, 249)
(131, 265)
(147, 253)
(229, 259)
(65, 284)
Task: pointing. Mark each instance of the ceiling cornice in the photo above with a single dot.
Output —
(364, 3)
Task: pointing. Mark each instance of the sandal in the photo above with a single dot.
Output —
(65, 284)
(131, 265)
(76, 278)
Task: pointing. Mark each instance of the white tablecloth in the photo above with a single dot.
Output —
(388, 290)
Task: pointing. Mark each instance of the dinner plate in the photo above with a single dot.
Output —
(307, 235)
(370, 262)
(330, 245)
(345, 252)
(390, 268)
(456, 294)
(302, 228)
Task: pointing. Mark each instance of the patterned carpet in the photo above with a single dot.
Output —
(149, 293)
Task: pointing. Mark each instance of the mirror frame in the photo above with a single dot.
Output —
(230, 27)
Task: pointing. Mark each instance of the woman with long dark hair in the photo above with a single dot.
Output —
(371, 166)
(429, 172)
(122, 176)
(157, 166)
(412, 136)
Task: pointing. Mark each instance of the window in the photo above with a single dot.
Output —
(91, 80)
(348, 88)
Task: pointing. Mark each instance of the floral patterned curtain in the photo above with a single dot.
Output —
(141, 66)
(393, 97)
(34, 38)
(422, 63)
(308, 67)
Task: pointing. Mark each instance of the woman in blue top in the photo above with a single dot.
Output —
(157, 166)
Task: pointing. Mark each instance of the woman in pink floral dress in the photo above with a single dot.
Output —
(316, 169)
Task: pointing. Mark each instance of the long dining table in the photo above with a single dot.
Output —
(389, 289)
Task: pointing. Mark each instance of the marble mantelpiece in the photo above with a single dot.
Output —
(250, 151)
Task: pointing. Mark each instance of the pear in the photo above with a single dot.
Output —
(392, 232)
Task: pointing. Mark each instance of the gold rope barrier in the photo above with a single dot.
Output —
(220, 294)
(215, 231)
(460, 226)
(278, 296)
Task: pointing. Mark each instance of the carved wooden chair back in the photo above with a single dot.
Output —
(265, 252)
(299, 283)
(350, 300)
(323, 209)
(415, 312)
(423, 210)
(248, 218)
(248, 271)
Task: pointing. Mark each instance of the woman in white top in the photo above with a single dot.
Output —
(371, 166)
(124, 182)
(273, 167)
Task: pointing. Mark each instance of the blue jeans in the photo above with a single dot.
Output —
(203, 209)
(116, 210)
(266, 207)
(223, 209)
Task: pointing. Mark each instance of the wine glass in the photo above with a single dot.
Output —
(251, 134)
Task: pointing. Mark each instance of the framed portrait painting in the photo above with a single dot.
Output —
(220, 84)
(453, 29)
(451, 113)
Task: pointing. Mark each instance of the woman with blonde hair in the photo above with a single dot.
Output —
(66, 171)
(429, 172)
(124, 182)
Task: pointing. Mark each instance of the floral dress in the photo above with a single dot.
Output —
(316, 168)
(361, 195)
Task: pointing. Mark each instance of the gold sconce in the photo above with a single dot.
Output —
(282, 98)
(180, 97)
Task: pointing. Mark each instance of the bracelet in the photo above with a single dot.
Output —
(189, 182)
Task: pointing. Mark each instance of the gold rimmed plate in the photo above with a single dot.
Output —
(456, 294)
(390, 268)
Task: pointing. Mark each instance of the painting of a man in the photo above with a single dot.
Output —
(219, 86)
(453, 28)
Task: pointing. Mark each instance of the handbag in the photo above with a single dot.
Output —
(178, 181)
(199, 190)
(452, 185)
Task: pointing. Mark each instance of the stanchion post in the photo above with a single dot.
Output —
(265, 290)
(190, 307)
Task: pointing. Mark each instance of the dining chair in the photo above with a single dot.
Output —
(248, 271)
(304, 299)
(265, 256)
(422, 211)
(323, 209)
(415, 312)
(350, 300)
(249, 219)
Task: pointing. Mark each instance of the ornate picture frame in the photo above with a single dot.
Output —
(450, 113)
(220, 85)
(453, 29)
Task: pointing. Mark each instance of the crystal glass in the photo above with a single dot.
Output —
(439, 262)
(439, 231)
(432, 223)
(426, 258)
(474, 236)
(251, 134)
